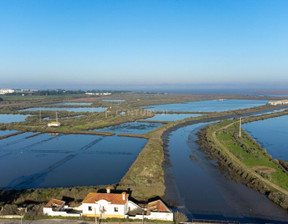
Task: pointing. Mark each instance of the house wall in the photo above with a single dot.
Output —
(132, 206)
(164, 216)
(50, 212)
(109, 209)
(161, 216)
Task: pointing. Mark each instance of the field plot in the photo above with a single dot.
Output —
(65, 160)
(9, 118)
(130, 128)
(208, 105)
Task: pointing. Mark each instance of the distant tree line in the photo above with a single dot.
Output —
(57, 92)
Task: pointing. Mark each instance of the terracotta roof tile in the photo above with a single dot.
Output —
(157, 206)
(111, 197)
(55, 204)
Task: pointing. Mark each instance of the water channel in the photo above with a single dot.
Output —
(202, 191)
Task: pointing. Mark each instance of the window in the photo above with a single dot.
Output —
(89, 208)
(115, 209)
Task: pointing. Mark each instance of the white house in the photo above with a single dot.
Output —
(105, 205)
(111, 205)
(54, 124)
(58, 208)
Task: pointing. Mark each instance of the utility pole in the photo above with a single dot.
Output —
(143, 216)
(240, 134)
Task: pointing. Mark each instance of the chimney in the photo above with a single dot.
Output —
(108, 189)
(123, 196)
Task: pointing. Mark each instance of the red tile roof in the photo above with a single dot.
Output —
(157, 206)
(55, 204)
(111, 197)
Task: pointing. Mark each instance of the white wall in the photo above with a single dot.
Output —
(132, 206)
(165, 216)
(107, 205)
(50, 212)
(161, 216)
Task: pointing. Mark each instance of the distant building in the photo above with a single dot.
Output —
(54, 124)
(6, 91)
(98, 94)
(278, 102)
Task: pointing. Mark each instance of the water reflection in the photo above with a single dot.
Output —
(194, 183)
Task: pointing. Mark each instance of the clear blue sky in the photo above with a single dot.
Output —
(87, 44)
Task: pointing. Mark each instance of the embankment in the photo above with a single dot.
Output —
(244, 160)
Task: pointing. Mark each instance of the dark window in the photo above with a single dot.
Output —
(115, 209)
(90, 208)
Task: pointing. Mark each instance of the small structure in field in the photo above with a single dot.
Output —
(58, 208)
(54, 123)
(157, 210)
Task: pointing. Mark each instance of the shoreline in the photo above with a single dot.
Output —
(145, 177)
(238, 170)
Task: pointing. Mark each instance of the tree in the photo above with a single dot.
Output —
(180, 217)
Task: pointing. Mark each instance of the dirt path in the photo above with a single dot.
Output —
(238, 162)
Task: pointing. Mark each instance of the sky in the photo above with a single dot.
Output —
(144, 44)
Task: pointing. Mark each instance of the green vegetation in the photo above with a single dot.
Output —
(146, 172)
(72, 123)
(145, 178)
(252, 155)
(245, 160)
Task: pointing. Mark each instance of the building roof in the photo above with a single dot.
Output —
(55, 204)
(54, 122)
(111, 197)
(157, 206)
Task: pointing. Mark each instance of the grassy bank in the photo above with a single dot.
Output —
(245, 160)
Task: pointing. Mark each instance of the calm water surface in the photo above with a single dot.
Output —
(74, 104)
(272, 134)
(75, 109)
(208, 105)
(114, 101)
(203, 192)
(131, 128)
(65, 160)
(6, 132)
(8, 118)
(171, 117)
